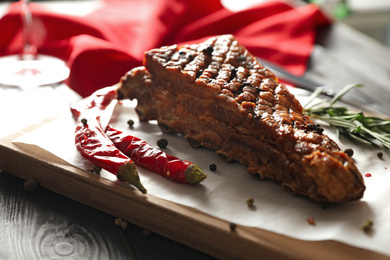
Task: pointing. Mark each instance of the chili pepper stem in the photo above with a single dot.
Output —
(194, 174)
(128, 173)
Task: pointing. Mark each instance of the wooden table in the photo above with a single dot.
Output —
(41, 222)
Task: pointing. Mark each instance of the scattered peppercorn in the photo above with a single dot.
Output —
(380, 155)
(368, 175)
(130, 122)
(84, 121)
(250, 202)
(213, 167)
(367, 226)
(311, 221)
(162, 143)
(232, 227)
(118, 221)
(31, 185)
(96, 170)
(349, 152)
(124, 224)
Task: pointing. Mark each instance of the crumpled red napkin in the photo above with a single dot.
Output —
(101, 47)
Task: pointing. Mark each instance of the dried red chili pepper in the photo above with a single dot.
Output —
(93, 143)
(152, 158)
(155, 160)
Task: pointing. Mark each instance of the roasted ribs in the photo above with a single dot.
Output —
(219, 96)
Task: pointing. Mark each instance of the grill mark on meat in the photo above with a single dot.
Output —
(224, 75)
(227, 72)
(164, 55)
(234, 85)
(180, 59)
(212, 71)
(195, 67)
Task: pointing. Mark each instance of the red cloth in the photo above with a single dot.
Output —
(102, 46)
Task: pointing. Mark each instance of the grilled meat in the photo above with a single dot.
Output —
(219, 96)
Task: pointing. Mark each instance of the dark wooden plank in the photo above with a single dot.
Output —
(45, 225)
(343, 56)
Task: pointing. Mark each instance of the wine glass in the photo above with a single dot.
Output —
(29, 69)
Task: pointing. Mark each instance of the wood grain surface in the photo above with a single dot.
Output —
(78, 223)
(45, 225)
(343, 56)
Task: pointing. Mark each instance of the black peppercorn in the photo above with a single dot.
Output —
(349, 152)
(130, 122)
(213, 167)
(162, 143)
(232, 227)
(84, 121)
(96, 170)
(31, 185)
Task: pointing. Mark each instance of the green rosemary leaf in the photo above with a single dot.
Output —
(365, 129)
(362, 139)
(313, 97)
(342, 92)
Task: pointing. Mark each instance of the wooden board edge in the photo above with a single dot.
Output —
(180, 223)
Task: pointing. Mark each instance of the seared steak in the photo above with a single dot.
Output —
(219, 96)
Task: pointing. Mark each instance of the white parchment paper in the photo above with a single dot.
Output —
(223, 194)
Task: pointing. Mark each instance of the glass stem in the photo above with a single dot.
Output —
(29, 51)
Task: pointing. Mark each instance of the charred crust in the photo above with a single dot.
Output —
(199, 73)
(165, 128)
(208, 50)
(193, 142)
(288, 188)
(121, 95)
(233, 73)
(224, 156)
(314, 128)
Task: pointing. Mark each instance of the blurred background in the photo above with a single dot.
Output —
(371, 17)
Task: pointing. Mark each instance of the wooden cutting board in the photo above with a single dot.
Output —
(180, 223)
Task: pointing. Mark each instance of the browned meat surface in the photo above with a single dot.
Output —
(219, 96)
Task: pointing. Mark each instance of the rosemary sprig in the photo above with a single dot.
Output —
(356, 125)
